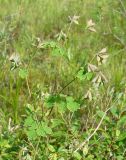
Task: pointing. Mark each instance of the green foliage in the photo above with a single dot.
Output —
(84, 76)
(56, 50)
(122, 121)
(101, 114)
(35, 129)
(72, 105)
(23, 73)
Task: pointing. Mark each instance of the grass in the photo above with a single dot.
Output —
(50, 103)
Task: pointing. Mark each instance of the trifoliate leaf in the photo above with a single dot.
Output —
(23, 73)
(29, 121)
(80, 75)
(72, 105)
(89, 76)
(31, 134)
(40, 131)
(62, 107)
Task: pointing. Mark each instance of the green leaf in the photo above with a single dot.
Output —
(28, 157)
(43, 130)
(122, 121)
(72, 105)
(29, 109)
(52, 44)
(101, 114)
(29, 121)
(31, 125)
(57, 51)
(56, 122)
(77, 156)
(60, 134)
(85, 150)
(32, 135)
(83, 75)
(120, 157)
(23, 73)
(114, 111)
(62, 107)
(89, 76)
(40, 131)
(90, 157)
(51, 100)
(61, 158)
(80, 75)
(4, 144)
(117, 133)
(51, 148)
(122, 136)
(47, 129)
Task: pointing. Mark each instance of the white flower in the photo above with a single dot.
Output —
(15, 61)
(92, 68)
(88, 95)
(102, 56)
(91, 25)
(100, 77)
(15, 58)
(10, 128)
(61, 35)
(74, 19)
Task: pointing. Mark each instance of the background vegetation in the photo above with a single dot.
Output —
(62, 80)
